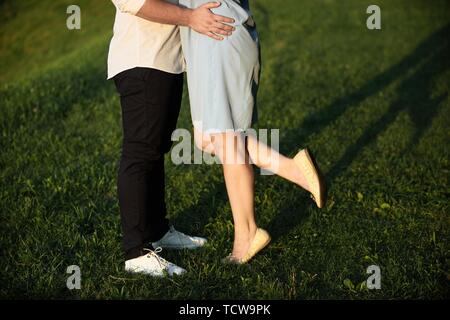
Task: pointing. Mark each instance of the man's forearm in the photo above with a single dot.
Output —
(164, 12)
(200, 19)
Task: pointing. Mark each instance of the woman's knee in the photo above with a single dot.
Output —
(203, 142)
(230, 147)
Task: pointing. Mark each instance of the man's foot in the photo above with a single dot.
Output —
(174, 239)
(152, 264)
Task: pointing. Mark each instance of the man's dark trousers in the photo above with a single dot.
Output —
(150, 101)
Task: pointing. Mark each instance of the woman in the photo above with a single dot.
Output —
(223, 78)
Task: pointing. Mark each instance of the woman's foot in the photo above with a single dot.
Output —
(242, 242)
(315, 182)
(260, 240)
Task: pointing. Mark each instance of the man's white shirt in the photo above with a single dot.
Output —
(141, 43)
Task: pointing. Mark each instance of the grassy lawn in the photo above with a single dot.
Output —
(373, 105)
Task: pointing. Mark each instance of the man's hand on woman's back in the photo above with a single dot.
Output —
(201, 19)
(204, 21)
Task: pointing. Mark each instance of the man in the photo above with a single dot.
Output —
(147, 65)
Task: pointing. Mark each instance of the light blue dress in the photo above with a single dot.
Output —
(223, 76)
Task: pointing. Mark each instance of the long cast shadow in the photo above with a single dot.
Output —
(413, 96)
(320, 119)
(416, 88)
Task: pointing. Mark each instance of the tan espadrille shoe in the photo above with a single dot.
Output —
(316, 182)
(260, 241)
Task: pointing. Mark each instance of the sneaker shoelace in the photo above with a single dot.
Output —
(154, 253)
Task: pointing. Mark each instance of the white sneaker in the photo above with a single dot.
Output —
(152, 264)
(174, 239)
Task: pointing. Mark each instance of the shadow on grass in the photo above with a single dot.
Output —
(430, 58)
(414, 95)
(204, 209)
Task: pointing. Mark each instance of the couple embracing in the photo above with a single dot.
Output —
(216, 43)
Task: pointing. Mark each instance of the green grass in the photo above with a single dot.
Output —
(373, 105)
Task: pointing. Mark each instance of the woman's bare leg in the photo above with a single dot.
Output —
(269, 159)
(239, 177)
(239, 181)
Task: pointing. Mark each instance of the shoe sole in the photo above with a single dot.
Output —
(323, 191)
(156, 275)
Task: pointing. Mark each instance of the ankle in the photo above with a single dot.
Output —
(245, 235)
